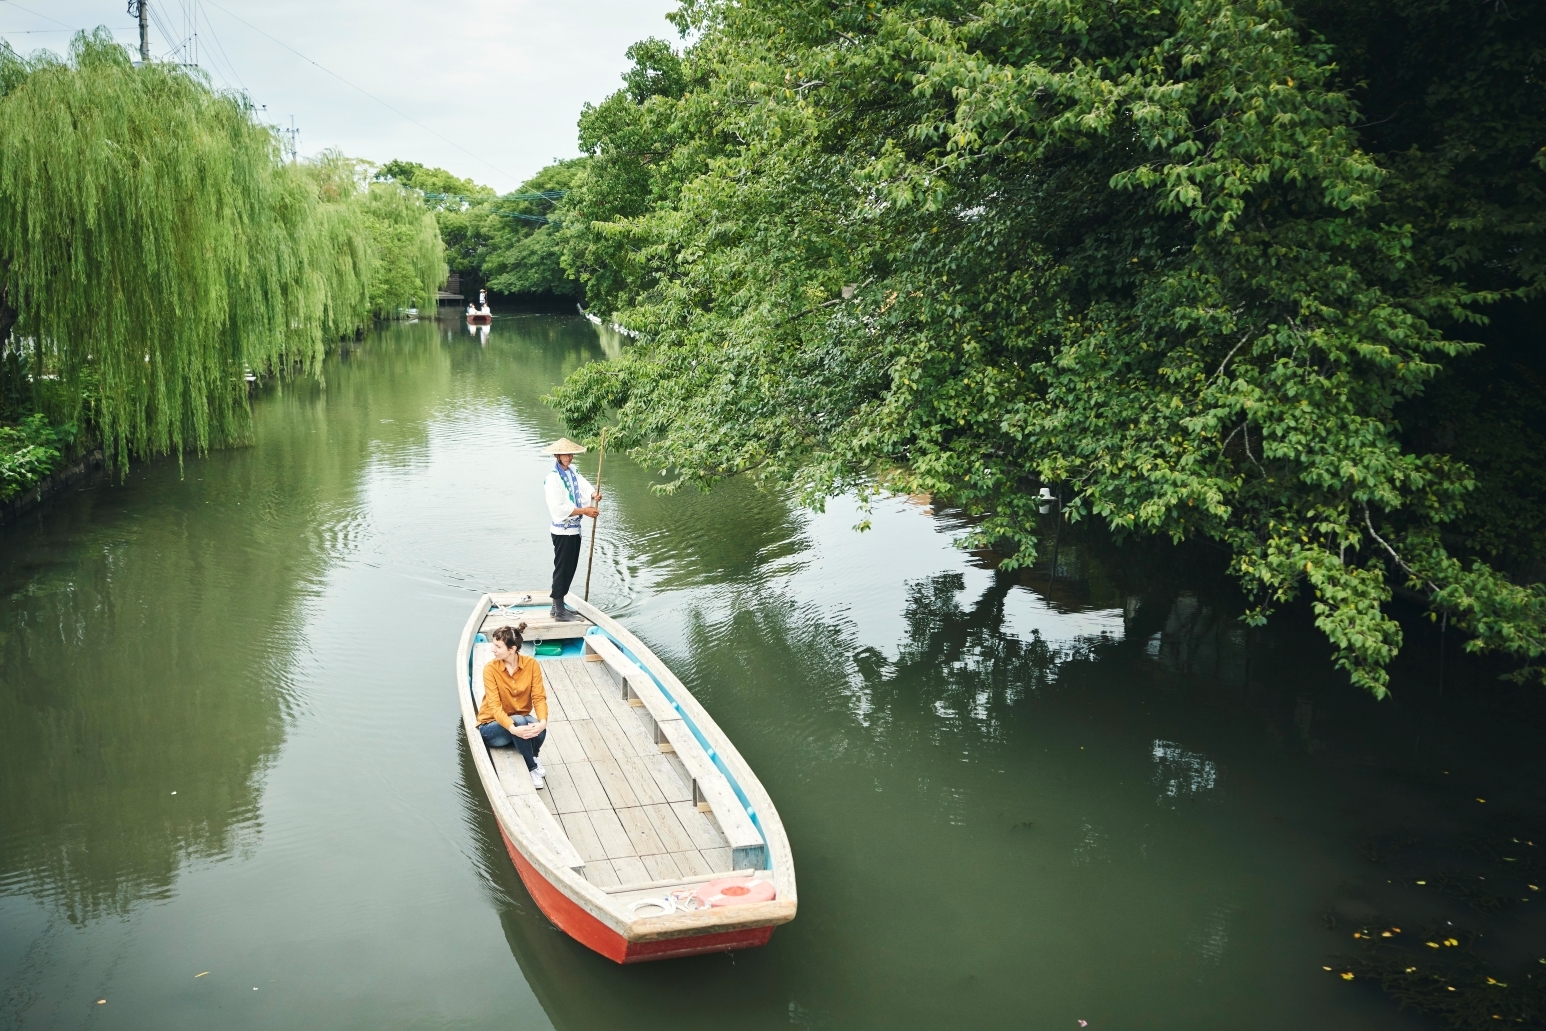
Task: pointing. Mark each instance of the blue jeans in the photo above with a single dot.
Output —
(496, 736)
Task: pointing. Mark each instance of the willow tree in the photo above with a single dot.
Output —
(154, 247)
(1141, 253)
(411, 257)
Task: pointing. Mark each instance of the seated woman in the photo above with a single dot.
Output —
(514, 712)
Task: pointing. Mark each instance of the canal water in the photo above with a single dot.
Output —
(233, 789)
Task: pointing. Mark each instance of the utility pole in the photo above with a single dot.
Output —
(141, 9)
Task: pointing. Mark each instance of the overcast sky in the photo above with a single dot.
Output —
(501, 80)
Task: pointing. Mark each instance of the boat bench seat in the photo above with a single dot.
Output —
(511, 770)
(711, 790)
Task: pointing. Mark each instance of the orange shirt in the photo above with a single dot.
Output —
(505, 695)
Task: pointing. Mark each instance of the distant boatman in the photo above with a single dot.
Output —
(565, 490)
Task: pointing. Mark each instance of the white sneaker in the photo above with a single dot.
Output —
(537, 780)
(541, 769)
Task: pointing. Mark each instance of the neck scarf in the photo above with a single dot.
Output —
(571, 483)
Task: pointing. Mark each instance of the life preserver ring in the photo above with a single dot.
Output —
(737, 891)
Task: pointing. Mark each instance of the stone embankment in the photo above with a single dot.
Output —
(88, 466)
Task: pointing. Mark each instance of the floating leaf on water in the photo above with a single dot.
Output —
(1422, 882)
(1482, 800)
(202, 974)
(1347, 975)
(1434, 945)
(1328, 968)
(1384, 934)
(1451, 941)
(1411, 970)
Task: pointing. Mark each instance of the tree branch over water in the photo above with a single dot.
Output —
(1077, 241)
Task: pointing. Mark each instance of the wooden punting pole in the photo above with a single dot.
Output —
(595, 523)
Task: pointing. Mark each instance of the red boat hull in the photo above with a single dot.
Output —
(584, 928)
(479, 320)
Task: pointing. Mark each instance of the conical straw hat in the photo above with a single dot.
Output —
(564, 446)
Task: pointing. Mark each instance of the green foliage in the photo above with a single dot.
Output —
(524, 256)
(153, 246)
(641, 152)
(407, 259)
(31, 451)
(510, 243)
(1136, 251)
(448, 191)
(410, 258)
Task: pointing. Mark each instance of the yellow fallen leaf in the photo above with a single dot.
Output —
(101, 1002)
(1325, 968)
(1422, 882)
(1384, 934)
(1410, 969)
(201, 975)
(1482, 800)
(1450, 988)
(1347, 976)
(1451, 941)
(1432, 945)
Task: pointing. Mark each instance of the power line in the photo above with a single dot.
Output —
(167, 35)
(34, 32)
(45, 17)
(361, 89)
(221, 47)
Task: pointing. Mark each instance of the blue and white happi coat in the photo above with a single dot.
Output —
(565, 490)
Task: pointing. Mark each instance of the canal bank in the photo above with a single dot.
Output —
(229, 743)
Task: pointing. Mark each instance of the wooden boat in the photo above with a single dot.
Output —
(648, 811)
(479, 319)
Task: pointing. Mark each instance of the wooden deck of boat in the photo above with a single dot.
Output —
(625, 806)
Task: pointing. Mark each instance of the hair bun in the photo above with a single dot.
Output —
(520, 628)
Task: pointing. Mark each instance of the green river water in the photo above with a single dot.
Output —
(229, 743)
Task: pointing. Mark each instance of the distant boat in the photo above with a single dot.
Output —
(653, 838)
(479, 316)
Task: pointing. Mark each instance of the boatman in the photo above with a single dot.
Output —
(566, 491)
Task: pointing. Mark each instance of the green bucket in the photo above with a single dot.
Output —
(549, 648)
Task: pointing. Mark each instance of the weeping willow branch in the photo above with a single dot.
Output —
(154, 247)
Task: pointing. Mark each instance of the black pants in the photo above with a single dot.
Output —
(566, 558)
